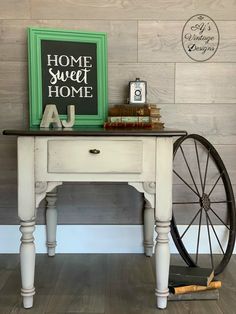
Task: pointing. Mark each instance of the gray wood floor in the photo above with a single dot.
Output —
(102, 283)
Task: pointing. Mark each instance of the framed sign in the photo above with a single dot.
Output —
(68, 68)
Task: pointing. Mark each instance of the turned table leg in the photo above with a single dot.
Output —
(27, 215)
(27, 262)
(148, 228)
(162, 262)
(51, 221)
(149, 190)
(163, 214)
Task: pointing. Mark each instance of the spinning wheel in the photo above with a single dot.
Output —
(203, 204)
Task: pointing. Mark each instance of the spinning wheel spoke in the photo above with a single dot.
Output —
(206, 169)
(190, 223)
(198, 236)
(182, 203)
(190, 172)
(185, 182)
(209, 238)
(215, 183)
(208, 217)
(198, 163)
(219, 218)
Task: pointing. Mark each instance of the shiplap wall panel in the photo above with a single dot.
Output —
(160, 78)
(8, 193)
(227, 47)
(122, 37)
(132, 9)
(98, 211)
(8, 177)
(13, 36)
(144, 40)
(205, 83)
(13, 47)
(13, 83)
(228, 153)
(12, 115)
(122, 201)
(8, 162)
(160, 41)
(15, 9)
(217, 122)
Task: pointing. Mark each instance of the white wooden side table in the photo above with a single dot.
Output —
(47, 158)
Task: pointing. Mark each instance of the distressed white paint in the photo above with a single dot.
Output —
(27, 262)
(26, 213)
(148, 229)
(163, 214)
(115, 156)
(41, 188)
(26, 180)
(51, 221)
(138, 159)
(148, 161)
(148, 189)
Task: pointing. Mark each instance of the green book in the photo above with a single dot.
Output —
(143, 119)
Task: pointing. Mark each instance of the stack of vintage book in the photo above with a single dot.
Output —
(192, 283)
(138, 116)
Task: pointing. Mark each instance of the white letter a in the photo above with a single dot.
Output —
(50, 115)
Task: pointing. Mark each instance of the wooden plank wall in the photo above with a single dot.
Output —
(144, 41)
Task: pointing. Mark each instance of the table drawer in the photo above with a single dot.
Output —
(91, 156)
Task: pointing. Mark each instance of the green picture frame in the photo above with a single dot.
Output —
(68, 67)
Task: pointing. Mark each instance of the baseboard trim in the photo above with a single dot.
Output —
(96, 239)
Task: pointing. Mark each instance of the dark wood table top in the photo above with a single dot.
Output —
(95, 131)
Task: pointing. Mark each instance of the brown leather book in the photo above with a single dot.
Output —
(134, 110)
(129, 110)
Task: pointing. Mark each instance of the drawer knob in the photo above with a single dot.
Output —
(94, 151)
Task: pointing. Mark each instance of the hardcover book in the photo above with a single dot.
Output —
(137, 110)
(202, 295)
(194, 288)
(144, 125)
(145, 119)
(184, 275)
